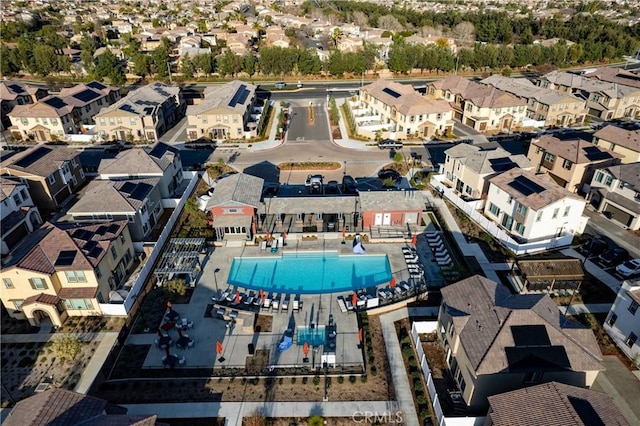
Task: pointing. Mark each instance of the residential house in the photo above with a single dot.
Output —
(162, 161)
(623, 321)
(400, 110)
(571, 163)
(622, 141)
(467, 168)
(605, 100)
(122, 27)
(192, 46)
(275, 36)
(233, 207)
(615, 192)
(615, 75)
(55, 116)
(553, 403)
(63, 270)
(136, 200)
(481, 107)
(432, 40)
(18, 214)
(399, 209)
(238, 44)
(544, 106)
(496, 342)
(14, 92)
(144, 114)
(53, 174)
(61, 406)
(349, 44)
(533, 206)
(224, 113)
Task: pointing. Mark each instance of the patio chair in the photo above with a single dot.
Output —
(248, 300)
(296, 304)
(275, 303)
(405, 286)
(341, 304)
(382, 294)
(267, 303)
(285, 303)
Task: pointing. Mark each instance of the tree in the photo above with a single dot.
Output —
(389, 22)
(44, 59)
(308, 62)
(66, 348)
(205, 63)
(186, 66)
(336, 36)
(141, 65)
(249, 64)
(359, 18)
(229, 63)
(175, 288)
(8, 66)
(160, 56)
(87, 49)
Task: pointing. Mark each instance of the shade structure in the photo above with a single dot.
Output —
(354, 300)
(414, 239)
(305, 348)
(237, 297)
(219, 348)
(392, 284)
(360, 335)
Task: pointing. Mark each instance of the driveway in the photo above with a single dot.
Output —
(621, 385)
(303, 129)
(600, 225)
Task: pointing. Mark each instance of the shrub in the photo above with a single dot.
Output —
(363, 378)
(407, 351)
(175, 288)
(316, 380)
(327, 381)
(305, 380)
(315, 421)
(293, 380)
(281, 380)
(352, 379)
(374, 370)
(67, 347)
(424, 412)
(421, 399)
(340, 379)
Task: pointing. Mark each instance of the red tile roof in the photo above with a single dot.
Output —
(78, 292)
(45, 299)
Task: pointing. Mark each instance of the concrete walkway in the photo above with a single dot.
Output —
(95, 363)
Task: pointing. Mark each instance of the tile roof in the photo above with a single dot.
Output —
(77, 292)
(480, 95)
(40, 160)
(240, 188)
(484, 161)
(615, 75)
(234, 95)
(554, 404)
(627, 173)
(144, 101)
(7, 186)
(502, 332)
(549, 191)
(132, 161)
(390, 201)
(45, 299)
(121, 196)
(11, 89)
(404, 98)
(575, 81)
(575, 150)
(523, 88)
(629, 139)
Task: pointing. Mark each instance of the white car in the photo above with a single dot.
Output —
(628, 268)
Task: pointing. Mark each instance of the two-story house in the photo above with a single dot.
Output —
(533, 206)
(481, 107)
(495, 341)
(144, 114)
(18, 214)
(615, 75)
(623, 321)
(53, 174)
(404, 110)
(615, 192)
(605, 100)
(136, 200)
(55, 116)
(571, 163)
(622, 141)
(161, 161)
(543, 105)
(14, 92)
(64, 270)
(467, 168)
(224, 113)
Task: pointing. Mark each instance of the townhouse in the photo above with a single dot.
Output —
(144, 114)
(401, 111)
(12, 93)
(481, 107)
(544, 106)
(571, 163)
(623, 320)
(468, 168)
(533, 206)
(65, 270)
(615, 192)
(622, 141)
(55, 116)
(615, 75)
(18, 214)
(605, 100)
(496, 342)
(53, 174)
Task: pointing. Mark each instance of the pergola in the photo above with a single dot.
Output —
(181, 257)
(551, 274)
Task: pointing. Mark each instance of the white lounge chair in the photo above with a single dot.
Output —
(285, 303)
(341, 304)
(275, 303)
(267, 303)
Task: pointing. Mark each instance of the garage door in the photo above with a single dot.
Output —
(618, 215)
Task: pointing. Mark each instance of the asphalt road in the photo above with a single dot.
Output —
(302, 129)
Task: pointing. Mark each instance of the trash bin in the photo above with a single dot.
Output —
(252, 348)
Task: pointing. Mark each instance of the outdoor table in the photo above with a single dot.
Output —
(183, 342)
(233, 314)
(169, 361)
(172, 316)
(164, 342)
(221, 311)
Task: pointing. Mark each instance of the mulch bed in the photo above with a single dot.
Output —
(263, 324)
(256, 363)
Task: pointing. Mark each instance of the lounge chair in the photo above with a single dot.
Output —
(257, 301)
(398, 291)
(285, 303)
(383, 294)
(249, 299)
(341, 304)
(405, 286)
(274, 246)
(267, 302)
(431, 233)
(275, 303)
(296, 303)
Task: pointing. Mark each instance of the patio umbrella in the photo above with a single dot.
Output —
(392, 284)
(167, 326)
(169, 305)
(305, 348)
(414, 239)
(360, 335)
(344, 233)
(219, 347)
(354, 300)
(237, 297)
(284, 234)
(268, 236)
(262, 295)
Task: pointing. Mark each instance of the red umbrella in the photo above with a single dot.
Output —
(284, 234)
(305, 348)
(219, 347)
(354, 300)
(414, 239)
(237, 297)
(262, 295)
(169, 305)
(360, 335)
(167, 326)
(268, 236)
(344, 232)
(393, 282)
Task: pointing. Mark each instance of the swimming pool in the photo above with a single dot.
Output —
(310, 272)
(313, 336)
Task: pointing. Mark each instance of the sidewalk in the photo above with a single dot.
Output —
(345, 142)
(94, 366)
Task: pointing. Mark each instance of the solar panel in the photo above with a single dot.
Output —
(90, 245)
(391, 92)
(240, 96)
(525, 186)
(66, 257)
(101, 230)
(141, 191)
(530, 335)
(593, 153)
(158, 150)
(113, 228)
(127, 187)
(95, 252)
(82, 234)
(96, 85)
(128, 108)
(55, 102)
(86, 95)
(502, 164)
(16, 88)
(148, 110)
(32, 157)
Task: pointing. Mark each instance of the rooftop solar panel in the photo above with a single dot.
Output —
(32, 157)
(530, 335)
(113, 228)
(90, 245)
(66, 257)
(593, 153)
(240, 96)
(502, 164)
(95, 252)
(55, 102)
(159, 150)
(525, 186)
(96, 85)
(16, 88)
(391, 92)
(86, 95)
(127, 187)
(128, 108)
(141, 191)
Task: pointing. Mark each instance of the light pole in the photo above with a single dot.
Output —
(215, 279)
(344, 172)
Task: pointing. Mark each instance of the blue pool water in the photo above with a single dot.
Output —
(313, 336)
(310, 272)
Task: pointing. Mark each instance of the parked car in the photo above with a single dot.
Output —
(385, 174)
(613, 255)
(592, 247)
(389, 144)
(629, 268)
(280, 85)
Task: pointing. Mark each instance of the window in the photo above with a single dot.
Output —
(97, 272)
(102, 122)
(599, 176)
(567, 165)
(23, 194)
(539, 217)
(132, 121)
(468, 190)
(566, 211)
(24, 121)
(114, 253)
(631, 340)
(510, 200)
(633, 307)
(520, 209)
(38, 283)
(538, 149)
(612, 319)
(532, 377)
(51, 178)
(555, 213)
(78, 304)
(17, 304)
(519, 228)
(550, 158)
(609, 180)
(17, 199)
(76, 276)
(8, 283)
(122, 239)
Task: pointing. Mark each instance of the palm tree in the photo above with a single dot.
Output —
(336, 36)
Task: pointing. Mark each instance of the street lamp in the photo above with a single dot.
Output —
(344, 172)
(215, 279)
